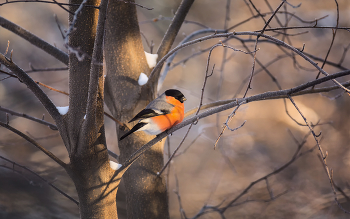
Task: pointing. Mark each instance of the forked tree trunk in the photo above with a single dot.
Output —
(89, 165)
(125, 60)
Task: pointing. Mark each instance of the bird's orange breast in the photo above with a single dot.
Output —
(176, 115)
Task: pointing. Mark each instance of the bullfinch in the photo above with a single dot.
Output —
(161, 114)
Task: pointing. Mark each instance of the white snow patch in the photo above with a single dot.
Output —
(142, 79)
(114, 165)
(62, 110)
(151, 59)
(85, 116)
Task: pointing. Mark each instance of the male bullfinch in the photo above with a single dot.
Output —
(161, 114)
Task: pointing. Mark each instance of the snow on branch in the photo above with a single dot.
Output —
(62, 109)
(151, 59)
(143, 79)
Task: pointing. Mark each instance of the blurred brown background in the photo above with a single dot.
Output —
(205, 175)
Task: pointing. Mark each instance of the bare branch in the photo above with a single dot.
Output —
(207, 75)
(48, 153)
(32, 69)
(274, 40)
(171, 33)
(59, 91)
(114, 155)
(37, 175)
(61, 6)
(334, 31)
(256, 44)
(187, 39)
(189, 145)
(52, 126)
(303, 92)
(221, 210)
(162, 18)
(43, 98)
(41, 121)
(279, 42)
(48, 2)
(279, 12)
(228, 104)
(51, 88)
(177, 192)
(94, 118)
(174, 28)
(296, 156)
(304, 27)
(141, 6)
(200, 104)
(344, 54)
(323, 156)
(229, 118)
(251, 74)
(170, 59)
(36, 41)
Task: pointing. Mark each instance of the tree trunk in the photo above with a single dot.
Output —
(125, 60)
(96, 186)
(81, 40)
(95, 181)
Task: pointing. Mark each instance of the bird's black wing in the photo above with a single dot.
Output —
(147, 113)
(134, 129)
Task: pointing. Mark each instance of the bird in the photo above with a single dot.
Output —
(161, 114)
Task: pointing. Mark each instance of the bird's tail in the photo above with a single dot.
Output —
(134, 129)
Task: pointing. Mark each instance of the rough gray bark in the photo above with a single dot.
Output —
(82, 39)
(89, 167)
(92, 178)
(125, 60)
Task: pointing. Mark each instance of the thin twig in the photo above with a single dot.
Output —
(114, 155)
(134, 3)
(170, 35)
(274, 40)
(59, 26)
(177, 192)
(296, 156)
(48, 2)
(223, 64)
(41, 121)
(334, 31)
(30, 140)
(304, 27)
(323, 155)
(37, 175)
(36, 41)
(233, 203)
(45, 69)
(251, 74)
(43, 98)
(188, 147)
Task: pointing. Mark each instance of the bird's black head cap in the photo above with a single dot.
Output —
(176, 94)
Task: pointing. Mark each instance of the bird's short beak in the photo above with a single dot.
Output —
(184, 99)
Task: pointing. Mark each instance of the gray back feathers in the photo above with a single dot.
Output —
(160, 103)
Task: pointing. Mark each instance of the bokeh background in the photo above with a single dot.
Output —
(205, 176)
